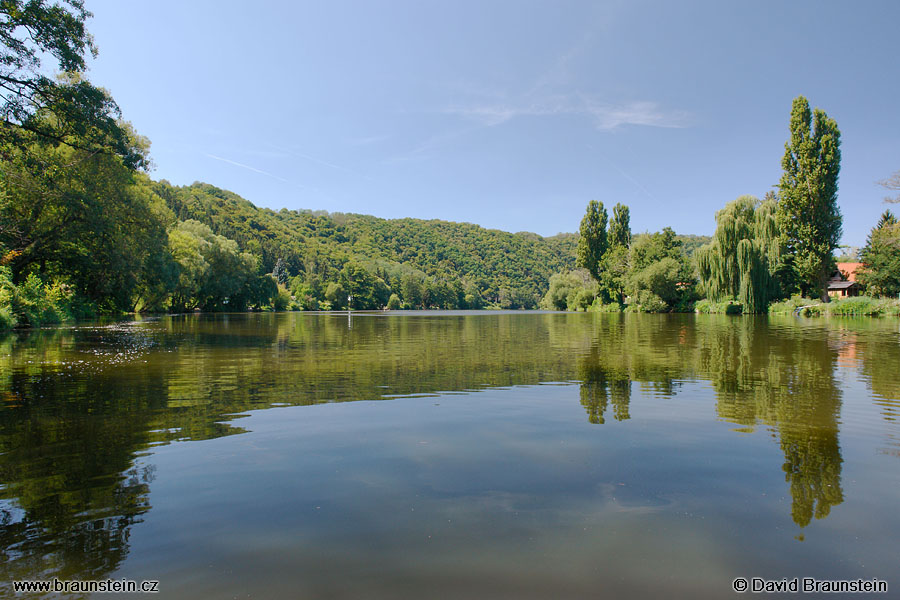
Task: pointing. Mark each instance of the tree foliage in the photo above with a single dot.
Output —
(86, 218)
(68, 110)
(213, 274)
(660, 277)
(574, 290)
(592, 241)
(881, 258)
(494, 267)
(808, 216)
(614, 264)
(620, 226)
(741, 261)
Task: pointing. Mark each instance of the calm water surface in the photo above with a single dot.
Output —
(451, 455)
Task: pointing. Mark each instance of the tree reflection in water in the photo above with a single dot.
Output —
(81, 405)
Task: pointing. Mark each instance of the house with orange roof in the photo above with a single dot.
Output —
(843, 281)
(848, 269)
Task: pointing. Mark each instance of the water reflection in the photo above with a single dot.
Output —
(82, 405)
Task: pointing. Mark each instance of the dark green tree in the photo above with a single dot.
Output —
(614, 264)
(82, 217)
(280, 272)
(808, 215)
(881, 258)
(213, 273)
(593, 241)
(411, 290)
(36, 107)
(740, 262)
(660, 277)
(336, 295)
(620, 226)
(887, 218)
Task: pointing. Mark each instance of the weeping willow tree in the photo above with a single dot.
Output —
(739, 264)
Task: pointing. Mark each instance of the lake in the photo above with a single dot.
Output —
(451, 455)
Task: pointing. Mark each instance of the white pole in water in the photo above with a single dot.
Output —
(349, 300)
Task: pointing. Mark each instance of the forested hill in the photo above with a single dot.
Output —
(511, 269)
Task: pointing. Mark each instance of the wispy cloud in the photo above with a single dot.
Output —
(636, 183)
(319, 161)
(248, 167)
(606, 116)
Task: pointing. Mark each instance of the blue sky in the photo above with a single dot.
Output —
(512, 115)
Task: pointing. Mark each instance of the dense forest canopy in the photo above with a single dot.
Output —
(510, 269)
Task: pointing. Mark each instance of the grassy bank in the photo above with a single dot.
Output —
(858, 306)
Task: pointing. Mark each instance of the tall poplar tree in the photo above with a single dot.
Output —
(614, 265)
(808, 215)
(620, 226)
(593, 241)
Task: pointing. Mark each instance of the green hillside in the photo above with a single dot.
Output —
(509, 269)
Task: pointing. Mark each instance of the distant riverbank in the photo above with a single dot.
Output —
(859, 306)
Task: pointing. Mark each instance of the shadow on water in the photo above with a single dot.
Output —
(82, 405)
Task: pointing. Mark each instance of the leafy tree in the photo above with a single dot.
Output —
(614, 274)
(808, 215)
(62, 210)
(620, 227)
(412, 291)
(185, 247)
(881, 258)
(472, 296)
(394, 302)
(614, 264)
(336, 295)
(660, 271)
(213, 273)
(282, 300)
(570, 291)
(360, 285)
(593, 241)
(69, 110)
(280, 272)
(740, 263)
(661, 278)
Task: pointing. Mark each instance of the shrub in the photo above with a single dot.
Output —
(791, 305)
(729, 307)
(647, 301)
(282, 299)
(599, 307)
(35, 303)
(580, 299)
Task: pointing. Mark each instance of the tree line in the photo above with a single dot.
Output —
(84, 230)
(762, 250)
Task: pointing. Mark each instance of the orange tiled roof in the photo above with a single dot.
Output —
(848, 269)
